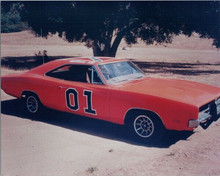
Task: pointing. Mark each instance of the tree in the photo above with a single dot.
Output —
(102, 25)
(10, 18)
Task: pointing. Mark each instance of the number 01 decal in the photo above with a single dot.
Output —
(89, 109)
(72, 100)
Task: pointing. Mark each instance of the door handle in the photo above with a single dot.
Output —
(62, 87)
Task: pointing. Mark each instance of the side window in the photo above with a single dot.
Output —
(70, 73)
(94, 76)
(62, 69)
(60, 72)
(79, 73)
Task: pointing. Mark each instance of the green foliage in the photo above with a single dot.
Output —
(10, 18)
(102, 25)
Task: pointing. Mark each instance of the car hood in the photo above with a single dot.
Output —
(177, 90)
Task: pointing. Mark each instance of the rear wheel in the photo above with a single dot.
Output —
(32, 104)
(145, 127)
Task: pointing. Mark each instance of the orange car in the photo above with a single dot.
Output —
(117, 91)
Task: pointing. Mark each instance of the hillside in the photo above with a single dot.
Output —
(196, 58)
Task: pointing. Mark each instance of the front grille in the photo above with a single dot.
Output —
(208, 111)
(204, 107)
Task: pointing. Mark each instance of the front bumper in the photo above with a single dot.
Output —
(207, 114)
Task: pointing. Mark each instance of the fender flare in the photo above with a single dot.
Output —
(132, 111)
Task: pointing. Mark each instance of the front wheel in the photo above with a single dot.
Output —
(145, 127)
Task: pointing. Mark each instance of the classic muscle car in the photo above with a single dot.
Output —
(116, 90)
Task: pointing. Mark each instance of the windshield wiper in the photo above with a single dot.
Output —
(122, 80)
(140, 76)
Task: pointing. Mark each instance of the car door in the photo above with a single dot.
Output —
(87, 98)
(50, 87)
(50, 92)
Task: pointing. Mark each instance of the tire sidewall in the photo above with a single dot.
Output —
(36, 102)
(156, 128)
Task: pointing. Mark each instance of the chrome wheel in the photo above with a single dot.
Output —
(143, 126)
(32, 104)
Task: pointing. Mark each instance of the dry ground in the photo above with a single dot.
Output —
(62, 144)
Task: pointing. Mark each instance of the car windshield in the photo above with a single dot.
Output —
(120, 72)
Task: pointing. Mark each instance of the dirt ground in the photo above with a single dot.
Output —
(57, 143)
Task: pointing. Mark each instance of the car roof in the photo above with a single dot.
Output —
(78, 60)
(88, 60)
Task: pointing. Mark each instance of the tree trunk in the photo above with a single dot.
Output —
(108, 51)
(97, 51)
(115, 44)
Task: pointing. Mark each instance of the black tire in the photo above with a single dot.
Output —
(32, 104)
(145, 127)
